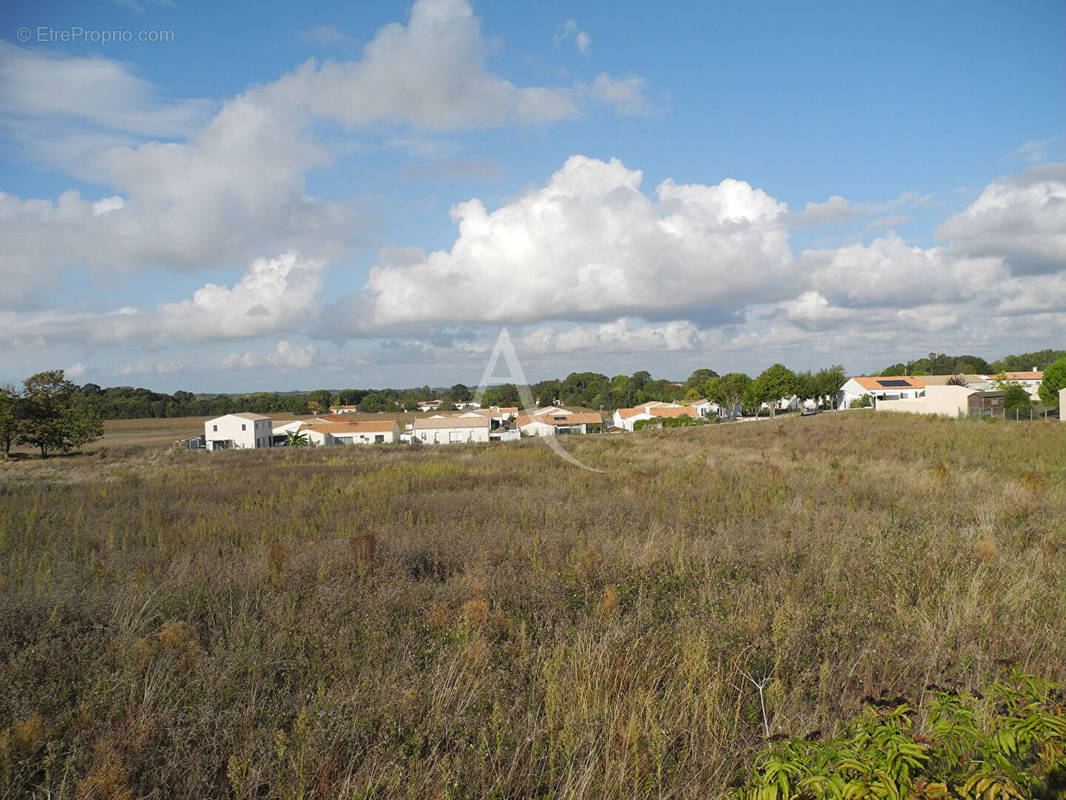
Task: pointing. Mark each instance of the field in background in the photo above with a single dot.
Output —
(488, 621)
(164, 431)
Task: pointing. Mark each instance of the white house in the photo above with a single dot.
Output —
(296, 425)
(626, 418)
(385, 431)
(343, 409)
(499, 415)
(553, 421)
(877, 388)
(451, 430)
(241, 431)
(1029, 380)
(706, 408)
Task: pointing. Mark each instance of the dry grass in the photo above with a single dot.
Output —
(487, 621)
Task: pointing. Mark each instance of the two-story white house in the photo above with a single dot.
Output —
(242, 431)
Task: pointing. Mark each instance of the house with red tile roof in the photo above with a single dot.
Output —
(553, 421)
(385, 431)
(901, 387)
(626, 418)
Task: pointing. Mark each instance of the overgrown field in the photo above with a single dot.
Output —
(489, 621)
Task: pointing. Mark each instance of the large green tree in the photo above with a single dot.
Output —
(546, 392)
(460, 393)
(504, 395)
(622, 393)
(775, 383)
(374, 402)
(727, 391)
(806, 386)
(1054, 380)
(698, 379)
(54, 416)
(584, 389)
(828, 382)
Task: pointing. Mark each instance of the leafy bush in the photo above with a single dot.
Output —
(862, 402)
(1008, 744)
(1016, 397)
(666, 422)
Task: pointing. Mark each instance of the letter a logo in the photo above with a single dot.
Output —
(516, 376)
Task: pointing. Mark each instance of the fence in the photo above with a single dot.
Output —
(1014, 414)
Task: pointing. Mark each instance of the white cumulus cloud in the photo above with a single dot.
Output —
(285, 356)
(889, 272)
(187, 190)
(276, 295)
(1021, 218)
(618, 336)
(590, 243)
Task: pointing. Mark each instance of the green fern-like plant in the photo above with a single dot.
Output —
(1009, 743)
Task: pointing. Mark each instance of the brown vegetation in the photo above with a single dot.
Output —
(488, 621)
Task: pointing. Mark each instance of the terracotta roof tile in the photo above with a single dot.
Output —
(878, 383)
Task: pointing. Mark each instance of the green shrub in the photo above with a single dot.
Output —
(1008, 744)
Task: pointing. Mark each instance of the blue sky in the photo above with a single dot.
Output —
(363, 194)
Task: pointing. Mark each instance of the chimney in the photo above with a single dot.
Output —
(1035, 369)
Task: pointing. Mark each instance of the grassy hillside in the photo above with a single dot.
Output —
(488, 621)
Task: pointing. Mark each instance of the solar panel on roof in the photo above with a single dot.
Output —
(894, 383)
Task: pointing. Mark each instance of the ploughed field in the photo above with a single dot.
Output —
(490, 621)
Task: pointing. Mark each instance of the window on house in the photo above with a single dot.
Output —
(214, 427)
(244, 427)
(379, 438)
(455, 436)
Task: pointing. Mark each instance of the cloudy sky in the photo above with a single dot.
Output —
(363, 194)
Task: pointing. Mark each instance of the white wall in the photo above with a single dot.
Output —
(536, 427)
(245, 434)
(452, 435)
(946, 400)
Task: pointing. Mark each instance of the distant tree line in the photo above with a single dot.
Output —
(593, 390)
(942, 364)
